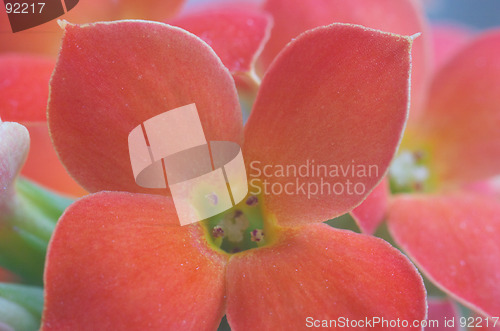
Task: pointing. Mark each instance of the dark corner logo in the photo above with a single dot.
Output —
(26, 14)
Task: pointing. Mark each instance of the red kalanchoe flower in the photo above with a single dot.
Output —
(120, 259)
(452, 140)
(245, 31)
(451, 235)
(292, 17)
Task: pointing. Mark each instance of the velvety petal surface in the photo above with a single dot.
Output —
(461, 123)
(46, 38)
(101, 90)
(122, 261)
(24, 91)
(454, 241)
(337, 98)
(236, 35)
(371, 212)
(320, 272)
(292, 17)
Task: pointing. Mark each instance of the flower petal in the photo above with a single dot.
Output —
(121, 260)
(442, 310)
(129, 9)
(447, 40)
(46, 38)
(101, 90)
(405, 17)
(454, 240)
(43, 165)
(235, 34)
(337, 97)
(462, 119)
(24, 87)
(489, 187)
(371, 212)
(24, 91)
(14, 146)
(321, 272)
(8, 277)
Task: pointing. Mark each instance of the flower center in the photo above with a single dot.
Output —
(241, 228)
(408, 172)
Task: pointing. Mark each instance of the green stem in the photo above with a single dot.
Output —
(27, 228)
(20, 306)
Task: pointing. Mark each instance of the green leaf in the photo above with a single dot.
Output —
(26, 229)
(20, 306)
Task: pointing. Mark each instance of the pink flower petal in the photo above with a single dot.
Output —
(322, 273)
(236, 35)
(337, 97)
(447, 40)
(102, 89)
(24, 91)
(371, 212)
(454, 241)
(405, 17)
(461, 122)
(46, 38)
(121, 261)
(442, 315)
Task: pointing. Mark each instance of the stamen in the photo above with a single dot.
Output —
(252, 201)
(218, 232)
(257, 235)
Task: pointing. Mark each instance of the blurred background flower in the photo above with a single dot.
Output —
(28, 58)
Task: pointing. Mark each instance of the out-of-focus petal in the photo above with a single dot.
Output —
(24, 87)
(454, 241)
(24, 91)
(489, 187)
(439, 312)
(236, 35)
(405, 17)
(461, 122)
(323, 273)
(46, 38)
(122, 261)
(156, 10)
(14, 146)
(335, 98)
(7, 276)
(43, 165)
(371, 212)
(447, 40)
(101, 90)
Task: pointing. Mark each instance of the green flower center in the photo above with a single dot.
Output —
(241, 228)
